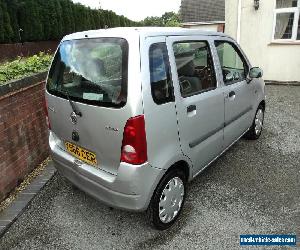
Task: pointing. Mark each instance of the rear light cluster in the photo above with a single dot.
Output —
(134, 144)
(47, 116)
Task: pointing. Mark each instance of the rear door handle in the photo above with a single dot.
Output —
(191, 108)
(231, 94)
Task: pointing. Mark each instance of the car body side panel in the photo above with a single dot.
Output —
(238, 111)
(259, 93)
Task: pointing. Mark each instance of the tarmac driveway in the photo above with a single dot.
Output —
(253, 188)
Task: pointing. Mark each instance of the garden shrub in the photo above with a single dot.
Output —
(24, 67)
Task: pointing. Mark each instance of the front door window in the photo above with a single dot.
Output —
(234, 67)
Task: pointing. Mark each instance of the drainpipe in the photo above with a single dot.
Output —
(238, 30)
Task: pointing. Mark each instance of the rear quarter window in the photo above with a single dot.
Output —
(92, 71)
(160, 74)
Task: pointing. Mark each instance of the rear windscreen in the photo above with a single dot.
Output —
(92, 71)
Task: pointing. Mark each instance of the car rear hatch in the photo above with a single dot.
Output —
(86, 97)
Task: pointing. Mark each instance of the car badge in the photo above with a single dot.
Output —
(75, 136)
(73, 118)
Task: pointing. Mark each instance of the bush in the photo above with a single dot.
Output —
(24, 67)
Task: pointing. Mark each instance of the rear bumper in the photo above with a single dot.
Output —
(131, 189)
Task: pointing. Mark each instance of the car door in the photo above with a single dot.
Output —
(237, 91)
(199, 100)
(158, 102)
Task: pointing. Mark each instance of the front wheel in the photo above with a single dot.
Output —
(167, 201)
(257, 125)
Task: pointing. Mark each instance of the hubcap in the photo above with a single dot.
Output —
(259, 121)
(171, 200)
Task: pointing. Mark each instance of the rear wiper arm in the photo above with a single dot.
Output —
(75, 110)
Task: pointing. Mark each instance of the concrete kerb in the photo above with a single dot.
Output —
(278, 83)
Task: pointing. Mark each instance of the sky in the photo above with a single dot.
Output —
(135, 10)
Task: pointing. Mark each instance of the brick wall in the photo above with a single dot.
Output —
(23, 132)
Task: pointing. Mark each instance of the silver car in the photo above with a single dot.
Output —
(134, 114)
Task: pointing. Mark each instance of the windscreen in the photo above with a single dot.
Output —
(92, 71)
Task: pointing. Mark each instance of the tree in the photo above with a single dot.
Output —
(171, 19)
(167, 19)
(153, 21)
(7, 29)
(118, 21)
(94, 19)
(80, 18)
(103, 19)
(52, 19)
(44, 18)
(106, 19)
(88, 20)
(1, 24)
(100, 20)
(112, 20)
(122, 21)
(59, 14)
(12, 7)
(67, 17)
(36, 26)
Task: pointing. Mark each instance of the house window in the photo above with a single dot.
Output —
(287, 21)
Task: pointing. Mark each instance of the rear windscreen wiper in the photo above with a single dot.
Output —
(76, 111)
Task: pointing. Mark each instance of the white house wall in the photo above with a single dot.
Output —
(280, 62)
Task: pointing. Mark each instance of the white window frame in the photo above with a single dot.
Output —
(296, 12)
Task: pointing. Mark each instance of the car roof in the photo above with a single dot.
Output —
(141, 31)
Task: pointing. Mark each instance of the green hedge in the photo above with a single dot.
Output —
(43, 20)
(24, 67)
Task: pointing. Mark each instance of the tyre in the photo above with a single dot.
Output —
(256, 128)
(167, 201)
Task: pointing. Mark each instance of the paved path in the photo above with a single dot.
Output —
(253, 188)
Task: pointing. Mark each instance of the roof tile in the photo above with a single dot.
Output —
(202, 10)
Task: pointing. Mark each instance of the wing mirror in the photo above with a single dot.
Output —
(254, 72)
(229, 77)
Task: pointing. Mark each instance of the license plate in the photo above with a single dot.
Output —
(81, 153)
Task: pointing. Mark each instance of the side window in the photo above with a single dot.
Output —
(234, 67)
(160, 76)
(194, 67)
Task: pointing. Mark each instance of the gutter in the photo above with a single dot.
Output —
(203, 23)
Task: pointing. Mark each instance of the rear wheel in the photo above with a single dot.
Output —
(257, 125)
(167, 201)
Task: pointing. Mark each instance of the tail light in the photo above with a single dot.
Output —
(134, 145)
(47, 116)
